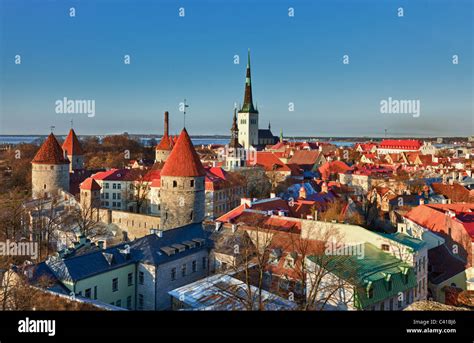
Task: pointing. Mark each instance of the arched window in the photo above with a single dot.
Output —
(175, 184)
(191, 215)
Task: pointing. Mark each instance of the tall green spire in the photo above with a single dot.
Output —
(281, 135)
(248, 101)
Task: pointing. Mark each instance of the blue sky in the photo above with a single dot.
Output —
(294, 59)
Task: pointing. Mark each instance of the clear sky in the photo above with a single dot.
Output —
(294, 59)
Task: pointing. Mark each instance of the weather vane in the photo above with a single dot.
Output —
(184, 112)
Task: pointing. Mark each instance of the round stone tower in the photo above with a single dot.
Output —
(182, 186)
(50, 169)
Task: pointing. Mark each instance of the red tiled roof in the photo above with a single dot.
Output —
(455, 192)
(71, 145)
(411, 144)
(50, 152)
(183, 160)
(333, 167)
(90, 184)
(305, 157)
(166, 143)
(156, 183)
(270, 162)
(232, 214)
(152, 175)
(119, 175)
(434, 217)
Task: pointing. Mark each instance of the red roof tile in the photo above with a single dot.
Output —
(411, 144)
(90, 184)
(71, 145)
(183, 160)
(50, 152)
(166, 143)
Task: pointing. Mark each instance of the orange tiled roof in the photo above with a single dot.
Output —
(50, 152)
(183, 160)
(71, 145)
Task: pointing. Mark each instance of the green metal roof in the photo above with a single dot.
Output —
(414, 243)
(374, 269)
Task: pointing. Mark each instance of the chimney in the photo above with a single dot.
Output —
(272, 195)
(166, 127)
(422, 201)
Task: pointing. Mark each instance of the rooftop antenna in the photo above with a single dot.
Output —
(184, 113)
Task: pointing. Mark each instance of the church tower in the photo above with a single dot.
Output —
(50, 169)
(182, 186)
(235, 156)
(248, 115)
(73, 150)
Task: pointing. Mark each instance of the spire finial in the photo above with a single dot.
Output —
(269, 125)
(72, 123)
(52, 127)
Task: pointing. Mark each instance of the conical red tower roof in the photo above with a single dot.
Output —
(50, 152)
(183, 159)
(71, 145)
(166, 143)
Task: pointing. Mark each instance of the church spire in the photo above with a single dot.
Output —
(234, 131)
(248, 101)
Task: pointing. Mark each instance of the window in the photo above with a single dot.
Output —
(119, 196)
(95, 292)
(183, 270)
(107, 185)
(140, 301)
(192, 183)
(119, 186)
(114, 186)
(118, 303)
(129, 302)
(114, 196)
(88, 293)
(106, 195)
(385, 247)
(173, 274)
(175, 184)
(194, 267)
(370, 293)
(141, 278)
(204, 262)
(130, 279)
(115, 285)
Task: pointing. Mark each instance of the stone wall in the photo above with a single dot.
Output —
(49, 178)
(161, 155)
(182, 201)
(135, 224)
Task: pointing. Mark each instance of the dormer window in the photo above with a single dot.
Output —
(385, 247)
